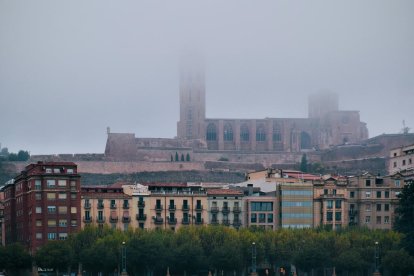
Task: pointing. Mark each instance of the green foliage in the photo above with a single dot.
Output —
(176, 156)
(404, 221)
(187, 158)
(14, 258)
(182, 157)
(304, 164)
(55, 254)
(224, 159)
(20, 156)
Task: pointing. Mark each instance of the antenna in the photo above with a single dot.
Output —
(405, 129)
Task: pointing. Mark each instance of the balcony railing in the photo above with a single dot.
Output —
(185, 221)
(125, 206)
(141, 204)
(199, 207)
(226, 222)
(225, 210)
(214, 222)
(87, 219)
(171, 208)
(100, 205)
(87, 206)
(199, 221)
(113, 219)
(158, 207)
(141, 217)
(100, 219)
(158, 220)
(214, 209)
(172, 221)
(186, 207)
(237, 223)
(113, 206)
(126, 219)
(236, 210)
(352, 212)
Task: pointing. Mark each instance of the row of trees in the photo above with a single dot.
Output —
(203, 249)
(177, 158)
(22, 155)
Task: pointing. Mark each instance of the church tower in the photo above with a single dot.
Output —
(192, 98)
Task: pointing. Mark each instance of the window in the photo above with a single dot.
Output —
(338, 204)
(73, 210)
(260, 133)
(51, 183)
(386, 219)
(253, 218)
(244, 133)
(367, 194)
(368, 207)
(378, 207)
(39, 236)
(62, 196)
(386, 207)
(73, 185)
(387, 194)
(38, 210)
(378, 220)
(48, 170)
(397, 183)
(325, 191)
(338, 216)
(262, 217)
(329, 216)
(38, 196)
(410, 161)
(367, 219)
(51, 209)
(51, 196)
(63, 210)
(38, 184)
(211, 132)
(395, 164)
(62, 183)
(55, 170)
(330, 204)
(269, 218)
(73, 196)
(228, 132)
(378, 194)
(367, 182)
(63, 236)
(74, 223)
(261, 206)
(334, 191)
(351, 194)
(51, 236)
(51, 222)
(403, 163)
(38, 222)
(69, 171)
(63, 222)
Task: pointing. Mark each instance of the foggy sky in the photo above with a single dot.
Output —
(69, 69)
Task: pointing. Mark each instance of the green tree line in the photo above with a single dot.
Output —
(221, 250)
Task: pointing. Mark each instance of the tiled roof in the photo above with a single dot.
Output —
(224, 192)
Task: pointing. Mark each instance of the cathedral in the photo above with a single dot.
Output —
(207, 138)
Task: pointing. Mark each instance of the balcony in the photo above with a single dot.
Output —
(225, 210)
(113, 206)
(185, 221)
(87, 219)
(237, 223)
(214, 221)
(226, 222)
(158, 207)
(236, 210)
(100, 219)
(87, 206)
(113, 219)
(199, 208)
(199, 221)
(171, 208)
(141, 204)
(172, 221)
(126, 219)
(125, 206)
(214, 210)
(158, 220)
(100, 205)
(141, 217)
(186, 207)
(352, 212)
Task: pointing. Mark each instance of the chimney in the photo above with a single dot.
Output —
(250, 189)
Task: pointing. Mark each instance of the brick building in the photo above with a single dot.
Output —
(42, 204)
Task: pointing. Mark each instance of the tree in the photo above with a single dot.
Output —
(23, 155)
(188, 157)
(404, 221)
(55, 254)
(13, 157)
(304, 164)
(182, 157)
(14, 258)
(176, 157)
(398, 262)
(172, 158)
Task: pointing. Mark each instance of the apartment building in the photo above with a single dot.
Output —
(373, 199)
(401, 159)
(330, 202)
(106, 205)
(42, 204)
(225, 207)
(261, 211)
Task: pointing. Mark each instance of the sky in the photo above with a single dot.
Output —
(70, 69)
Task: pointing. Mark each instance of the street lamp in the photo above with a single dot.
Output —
(253, 258)
(376, 257)
(124, 272)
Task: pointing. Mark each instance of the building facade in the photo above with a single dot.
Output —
(401, 159)
(42, 204)
(225, 207)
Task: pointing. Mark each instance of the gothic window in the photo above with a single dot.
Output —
(228, 132)
(211, 132)
(244, 133)
(277, 137)
(260, 133)
(305, 141)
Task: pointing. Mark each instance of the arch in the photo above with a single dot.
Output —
(277, 136)
(211, 133)
(227, 132)
(244, 133)
(260, 133)
(305, 140)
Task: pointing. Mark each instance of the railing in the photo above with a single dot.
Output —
(100, 219)
(158, 220)
(158, 207)
(172, 221)
(100, 205)
(171, 207)
(87, 206)
(113, 206)
(199, 207)
(237, 223)
(185, 221)
(126, 219)
(214, 209)
(142, 217)
(141, 204)
(199, 221)
(214, 222)
(87, 219)
(113, 219)
(236, 210)
(225, 210)
(125, 206)
(186, 207)
(226, 222)
(353, 212)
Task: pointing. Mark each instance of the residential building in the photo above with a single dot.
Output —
(42, 204)
(401, 159)
(225, 207)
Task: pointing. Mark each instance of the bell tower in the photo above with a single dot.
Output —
(192, 98)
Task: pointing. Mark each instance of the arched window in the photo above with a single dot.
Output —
(260, 133)
(244, 133)
(277, 136)
(211, 132)
(228, 132)
(305, 140)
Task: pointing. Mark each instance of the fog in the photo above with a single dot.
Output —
(69, 69)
